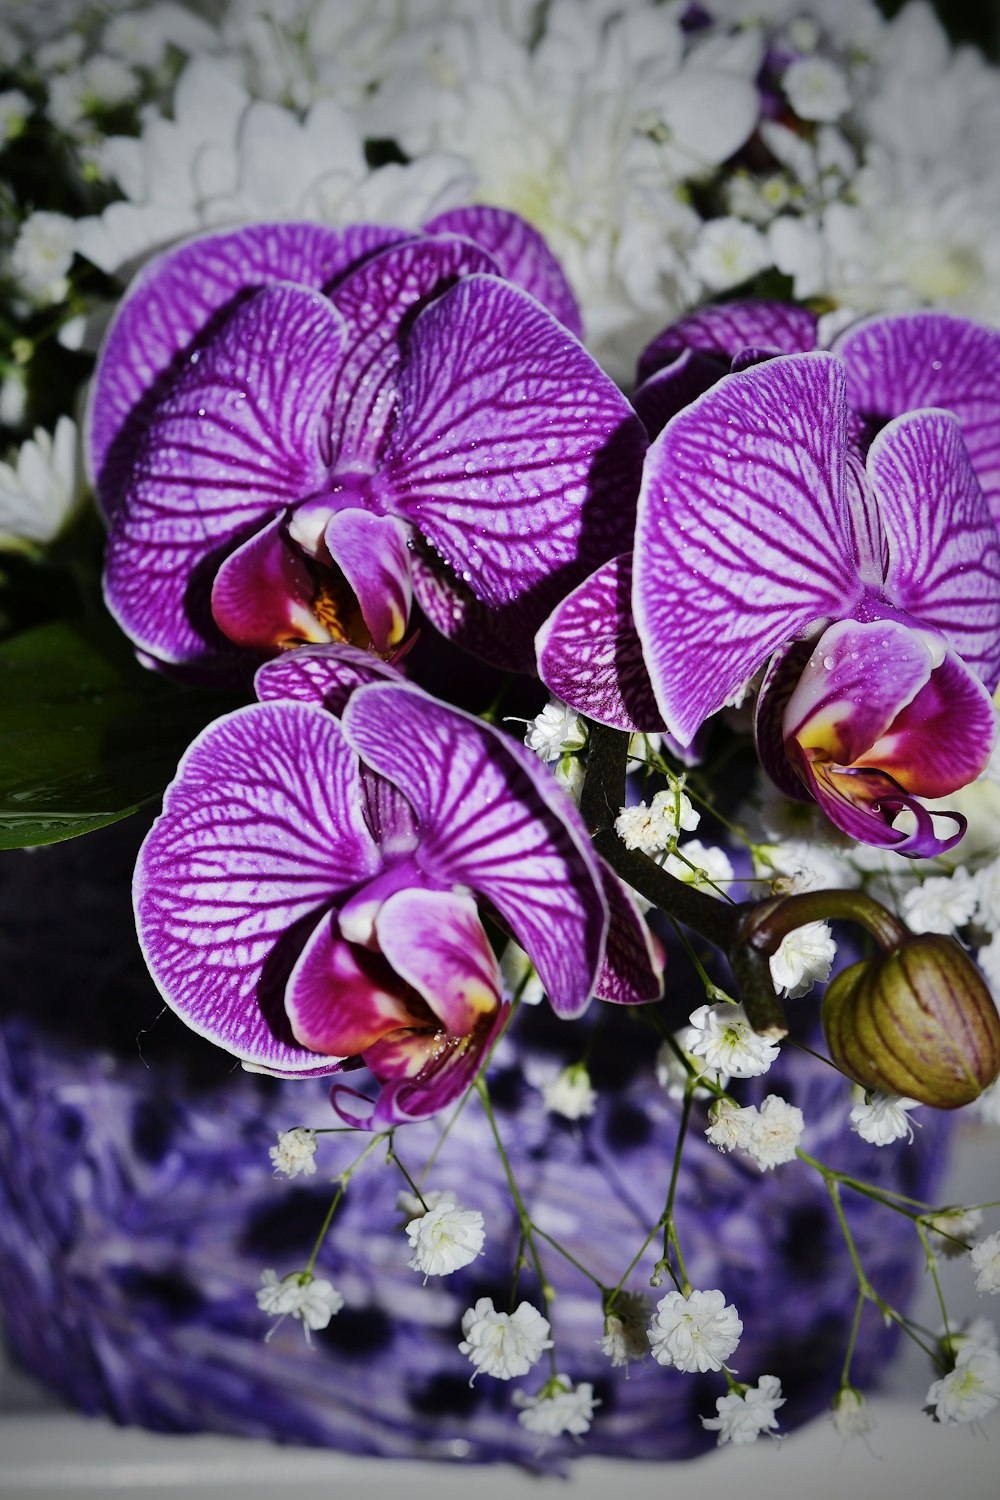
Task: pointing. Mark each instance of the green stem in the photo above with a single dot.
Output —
(845, 1373)
(670, 1239)
(343, 1180)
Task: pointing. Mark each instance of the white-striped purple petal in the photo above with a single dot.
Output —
(520, 252)
(589, 653)
(909, 361)
(262, 595)
(493, 819)
(262, 829)
(172, 304)
(340, 998)
(632, 968)
(239, 435)
(727, 328)
(666, 392)
(377, 302)
(513, 454)
(743, 537)
(944, 560)
(435, 941)
(321, 674)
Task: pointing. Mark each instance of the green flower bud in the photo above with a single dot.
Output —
(918, 1021)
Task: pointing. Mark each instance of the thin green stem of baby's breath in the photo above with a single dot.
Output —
(932, 1268)
(568, 1256)
(845, 1373)
(713, 992)
(342, 1179)
(391, 1156)
(524, 1218)
(885, 1196)
(670, 1238)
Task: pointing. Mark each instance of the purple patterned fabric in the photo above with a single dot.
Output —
(270, 451)
(137, 1210)
(760, 525)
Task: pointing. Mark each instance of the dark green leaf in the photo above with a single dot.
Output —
(87, 735)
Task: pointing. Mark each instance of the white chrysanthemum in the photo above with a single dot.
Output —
(312, 1300)
(503, 1344)
(941, 903)
(985, 1257)
(723, 1036)
(743, 1416)
(987, 884)
(41, 491)
(730, 1126)
(15, 107)
(654, 828)
(775, 1133)
(728, 251)
(625, 1329)
(968, 1392)
(816, 89)
(42, 255)
(559, 1407)
(445, 1238)
(988, 959)
(697, 1332)
(881, 1118)
(141, 37)
(950, 1231)
(570, 1093)
(852, 1417)
(702, 865)
(295, 1153)
(804, 958)
(558, 730)
(13, 398)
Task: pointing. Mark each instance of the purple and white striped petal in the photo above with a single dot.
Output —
(435, 941)
(632, 968)
(377, 302)
(589, 653)
(666, 392)
(943, 739)
(944, 565)
(238, 437)
(743, 537)
(321, 674)
(909, 361)
(493, 819)
(172, 304)
(520, 252)
(727, 328)
(371, 553)
(262, 829)
(513, 454)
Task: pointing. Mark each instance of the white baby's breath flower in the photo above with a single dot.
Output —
(310, 1299)
(987, 1106)
(968, 1392)
(673, 1076)
(775, 1132)
(816, 89)
(881, 1118)
(13, 398)
(654, 828)
(503, 1344)
(445, 1238)
(558, 730)
(949, 1230)
(723, 1036)
(295, 1153)
(411, 1207)
(985, 1257)
(744, 1415)
(570, 772)
(559, 1407)
(520, 980)
(570, 1093)
(41, 490)
(697, 1332)
(987, 884)
(702, 865)
(804, 958)
(625, 1327)
(730, 1126)
(851, 1414)
(729, 251)
(42, 255)
(941, 903)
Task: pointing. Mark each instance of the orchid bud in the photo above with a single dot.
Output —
(917, 1021)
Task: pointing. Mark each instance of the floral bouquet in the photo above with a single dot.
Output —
(547, 585)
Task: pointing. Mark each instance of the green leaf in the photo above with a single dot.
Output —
(87, 735)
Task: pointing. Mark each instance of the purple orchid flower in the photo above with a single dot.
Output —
(873, 583)
(310, 895)
(295, 429)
